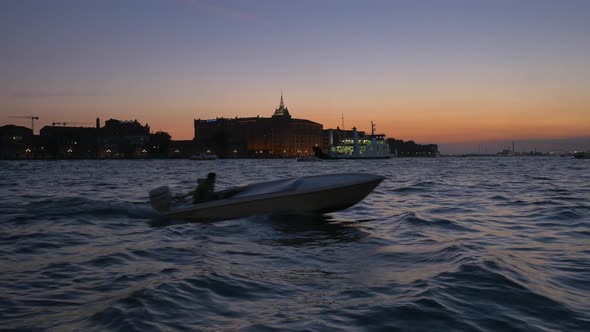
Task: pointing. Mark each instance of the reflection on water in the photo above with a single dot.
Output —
(311, 230)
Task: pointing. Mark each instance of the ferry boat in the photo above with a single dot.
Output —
(374, 148)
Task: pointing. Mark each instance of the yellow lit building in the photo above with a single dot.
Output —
(253, 137)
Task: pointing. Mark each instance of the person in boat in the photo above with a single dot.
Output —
(205, 190)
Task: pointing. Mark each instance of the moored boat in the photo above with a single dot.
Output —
(373, 148)
(203, 156)
(312, 158)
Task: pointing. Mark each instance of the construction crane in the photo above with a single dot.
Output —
(32, 117)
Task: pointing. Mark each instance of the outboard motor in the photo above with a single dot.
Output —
(160, 198)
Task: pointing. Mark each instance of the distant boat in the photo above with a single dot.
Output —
(304, 195)
(582, 155)
(374, 148)
(308, 159)
(203, 156)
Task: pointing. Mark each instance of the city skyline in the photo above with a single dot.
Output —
(452, 73)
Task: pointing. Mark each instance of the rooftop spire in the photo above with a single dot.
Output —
(282, 110)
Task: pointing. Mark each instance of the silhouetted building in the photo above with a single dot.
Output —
(182, 149)
(277, 136)
(124, 139)
(120, 128)
(402, 148)
(69, 142)
(16, 142)
(117, 139)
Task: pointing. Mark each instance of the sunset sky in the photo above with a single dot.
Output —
(439, 71)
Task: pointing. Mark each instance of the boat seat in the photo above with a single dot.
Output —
(267, 188)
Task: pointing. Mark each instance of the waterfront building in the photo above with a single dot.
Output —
(182, 149)
(401, 148)
(69, 142)
(16, 142)
(117, 139)
(258, 137)
(124, 139)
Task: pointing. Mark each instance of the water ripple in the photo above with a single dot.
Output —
(474, 244)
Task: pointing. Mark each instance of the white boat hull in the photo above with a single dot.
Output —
(312, 194)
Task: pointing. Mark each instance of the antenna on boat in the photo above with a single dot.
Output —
(342, 121)
(372, 129)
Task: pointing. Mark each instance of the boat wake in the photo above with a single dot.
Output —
(66, 208)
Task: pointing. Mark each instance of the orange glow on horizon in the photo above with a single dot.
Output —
(429, 126)
(432, 122)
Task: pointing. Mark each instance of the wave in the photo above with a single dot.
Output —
(442, 244)
(68, 208)
(418, 220)
(494, 290)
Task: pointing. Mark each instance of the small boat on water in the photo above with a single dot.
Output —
(203, 156)
(582, 155)
(304, 195)
(308, 159)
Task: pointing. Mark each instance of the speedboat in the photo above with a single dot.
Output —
(305, 195)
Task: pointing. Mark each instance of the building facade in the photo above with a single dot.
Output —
(401, 148)
(16, 142)
(124, 139)
(274, 137)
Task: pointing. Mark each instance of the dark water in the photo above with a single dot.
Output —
(490, 244)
